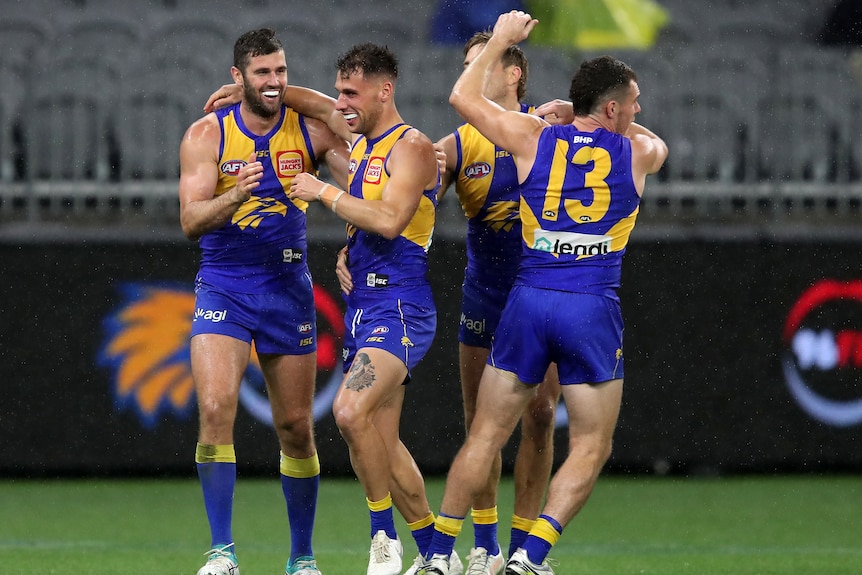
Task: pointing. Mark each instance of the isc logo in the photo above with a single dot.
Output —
(232, 167)
(477, 170)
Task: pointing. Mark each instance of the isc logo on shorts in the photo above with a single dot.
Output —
(376, 280)
(291, 256)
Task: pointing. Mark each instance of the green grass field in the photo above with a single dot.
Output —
(632, 525)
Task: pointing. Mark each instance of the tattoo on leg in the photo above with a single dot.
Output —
(361, 373)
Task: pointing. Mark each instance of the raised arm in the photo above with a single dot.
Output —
(648, 153)
(513, 131)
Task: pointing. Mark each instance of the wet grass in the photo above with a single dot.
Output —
(640, 525)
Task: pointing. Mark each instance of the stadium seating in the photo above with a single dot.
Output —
(740, 90)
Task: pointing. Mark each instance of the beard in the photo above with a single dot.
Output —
(257, 105)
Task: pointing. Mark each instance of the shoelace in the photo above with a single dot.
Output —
(477, 568)
(220, 552)
(477, 562)
(380, 551)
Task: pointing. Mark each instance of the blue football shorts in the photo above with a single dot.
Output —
(403, 327)
(581, 333)
(481, 307)
(279, 323)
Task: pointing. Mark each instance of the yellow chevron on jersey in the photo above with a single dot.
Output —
(369, 176)
(286, 155)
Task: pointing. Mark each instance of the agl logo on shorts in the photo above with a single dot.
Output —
(822, 362)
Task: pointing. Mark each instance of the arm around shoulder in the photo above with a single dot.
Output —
(317, 105)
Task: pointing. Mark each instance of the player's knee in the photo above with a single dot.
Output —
(348, 419)
(215, 414)
(595, 450)
(296, 429)
(541, 417)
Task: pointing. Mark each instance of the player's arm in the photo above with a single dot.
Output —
(447, 161)
(330, 148)
(413, 168)
(306, 101)
(318, 105)
(342, 271)
(200, 210)
(513, 131)
(649, 153)
(557, 111)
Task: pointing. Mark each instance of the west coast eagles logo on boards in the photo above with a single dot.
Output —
(146, 349)
(822, 361)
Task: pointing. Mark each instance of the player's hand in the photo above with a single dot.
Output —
(556, 112)
(224, 96)
(305, 187)
(342, 273)
(514, 26)
(248, 178)
(441, 158)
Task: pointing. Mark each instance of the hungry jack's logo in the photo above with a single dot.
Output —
(146, 350)
(822, 360)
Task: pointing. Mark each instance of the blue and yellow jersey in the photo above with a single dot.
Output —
(578, 207)
(376, 262)
(263, 247)
(486, 182)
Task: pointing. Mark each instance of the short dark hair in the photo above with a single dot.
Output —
(513, 56)
(597, 81)
(369, 59)
(258, 42)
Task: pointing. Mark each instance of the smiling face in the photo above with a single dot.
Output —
(360, 100)
(263, 82)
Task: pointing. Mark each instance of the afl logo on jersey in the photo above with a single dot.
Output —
(351, 168)
(232, 167)
(477, 170)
